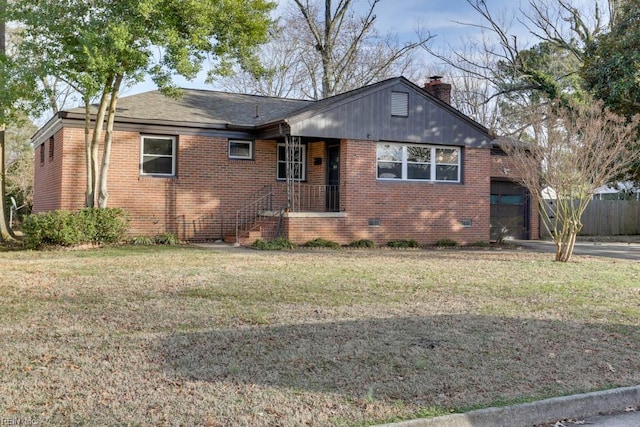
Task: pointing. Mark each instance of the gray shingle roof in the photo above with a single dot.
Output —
(204, 106)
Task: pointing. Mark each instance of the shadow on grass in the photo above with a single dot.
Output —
(447, 361)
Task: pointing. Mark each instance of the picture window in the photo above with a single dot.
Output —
(414, 162)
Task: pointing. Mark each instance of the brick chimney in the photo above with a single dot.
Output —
(438, 89)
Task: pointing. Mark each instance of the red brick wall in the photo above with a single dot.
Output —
(316, 174)
(302, 229)
(208, 185)
(200, 202)
(423, 211)
(47, 191)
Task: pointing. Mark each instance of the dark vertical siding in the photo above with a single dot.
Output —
(369, 117)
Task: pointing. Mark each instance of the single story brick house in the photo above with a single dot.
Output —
(388, 161)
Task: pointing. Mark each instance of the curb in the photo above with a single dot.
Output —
(543, 411)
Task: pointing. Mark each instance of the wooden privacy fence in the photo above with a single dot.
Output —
(610, 218)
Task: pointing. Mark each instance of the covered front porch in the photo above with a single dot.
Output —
(306, 194)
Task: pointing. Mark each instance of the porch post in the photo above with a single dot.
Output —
(287, 144)
(293, 152)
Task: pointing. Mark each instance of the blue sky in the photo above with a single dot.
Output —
(440, 17)
(401, 17)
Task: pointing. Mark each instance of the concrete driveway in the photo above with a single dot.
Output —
(617, 250)
(621, 419)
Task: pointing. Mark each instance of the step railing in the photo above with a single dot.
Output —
(305, 198)
(246, 216)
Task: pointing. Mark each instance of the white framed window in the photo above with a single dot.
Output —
(240, 149)
(418, 162)
(158, 155)
(299, 162)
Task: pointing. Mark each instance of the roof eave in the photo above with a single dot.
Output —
(51, 127)
(169, 123)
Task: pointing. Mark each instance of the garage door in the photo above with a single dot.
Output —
(509, 211)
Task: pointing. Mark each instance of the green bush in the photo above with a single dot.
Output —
(447, 243)
(66, 228)
(277, 244)
(322, 243)
(403, 244)
(104, 226)
(58, 228)
(166, 239)
(142, 241)
(362, 243)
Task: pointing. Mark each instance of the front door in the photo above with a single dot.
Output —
(333, 178)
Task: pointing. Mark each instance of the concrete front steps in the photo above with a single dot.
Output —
(245, 238)
(264, 229)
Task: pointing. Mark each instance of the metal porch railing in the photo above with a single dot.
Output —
(314, 198)
(247, 215)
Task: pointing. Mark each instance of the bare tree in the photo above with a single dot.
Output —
(59, 95)
(571, 151)
(289, 70)
(321, 50)
(531, 54)
(473, 93)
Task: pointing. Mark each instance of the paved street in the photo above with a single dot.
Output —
(622, 419)
(618, 250)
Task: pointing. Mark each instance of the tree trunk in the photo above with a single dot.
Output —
(95, 143)
(566, 240)
(6, 234)
(327, 53)
(103, 196)
(89, 196)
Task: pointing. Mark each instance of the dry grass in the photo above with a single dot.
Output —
(184, 336)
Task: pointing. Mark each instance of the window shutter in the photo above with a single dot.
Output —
(399, 104)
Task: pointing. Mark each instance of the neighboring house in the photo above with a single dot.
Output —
(626, 190)
(384, 162)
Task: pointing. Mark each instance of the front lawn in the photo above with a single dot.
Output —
(187, 336)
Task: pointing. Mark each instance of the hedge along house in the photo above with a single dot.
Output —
(384, 162)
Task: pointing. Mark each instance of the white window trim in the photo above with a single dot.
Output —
(404, 162)
(240, 141)
(303, 158)
(173, 155)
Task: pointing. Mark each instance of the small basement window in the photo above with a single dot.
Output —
(240, 149)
